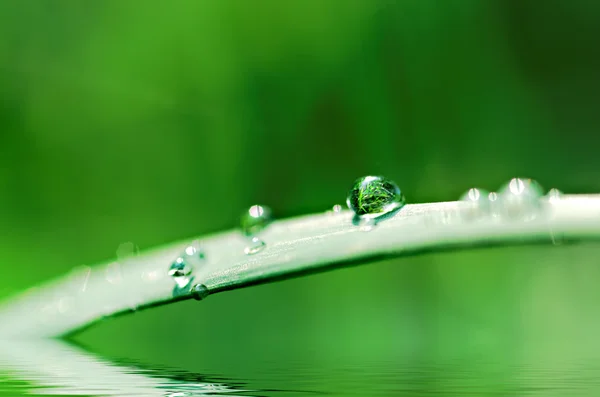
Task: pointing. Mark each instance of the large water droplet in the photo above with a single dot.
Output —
(255, 219)
(256, 245)
(180, 270)
(374, 196)
(520, 199)
(478, 203)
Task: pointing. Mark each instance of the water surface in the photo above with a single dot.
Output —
(42, 368)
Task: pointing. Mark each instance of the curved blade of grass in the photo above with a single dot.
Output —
(294, 247)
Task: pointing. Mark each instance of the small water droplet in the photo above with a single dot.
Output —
(255, 219)
(519, 199)
(180, 270)
(374, 197)
(183, 287)
(478, 202)
(554, 195)
(337, 208)
(183, 266)
(256, 245)
(64, 304)
(113, 273)
(193, 254)
(127, 250)
(80, 276)
(199, 291)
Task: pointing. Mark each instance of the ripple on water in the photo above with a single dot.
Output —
(50, 367)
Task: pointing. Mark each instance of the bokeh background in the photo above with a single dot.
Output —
(148, 122)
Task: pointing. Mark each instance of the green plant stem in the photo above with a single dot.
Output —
(295, 246)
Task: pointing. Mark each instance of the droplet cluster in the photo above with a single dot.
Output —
(182, 269)
(519, 199)
(253, 221)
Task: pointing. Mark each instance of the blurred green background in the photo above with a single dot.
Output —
(148, 121)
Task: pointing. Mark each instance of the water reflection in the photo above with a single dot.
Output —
(54, 368)
(50, 367)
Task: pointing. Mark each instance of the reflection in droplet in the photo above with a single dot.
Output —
(183, 286)
(374, 196)
(522, 187)
(183, 266)
(256, 245)
(478, 203)
(194, 254)
(180, 270)
(519, 199)
(199, 291)
(255, 219)
(190, 250)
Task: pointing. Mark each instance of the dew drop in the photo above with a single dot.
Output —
(478, 203)
(127, 250)
(256, 245)
(519, 199)
(183, 286)
(475, 195)
(374, 197)
(64, 304)
(180, 270)
(255, 219)
(199, 291)
(182, 267)
(80, 276)
(554, 195)
(113, 273)
(337, 208)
